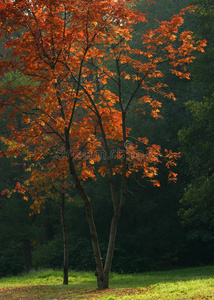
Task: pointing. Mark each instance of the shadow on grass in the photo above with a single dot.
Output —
(152, 278)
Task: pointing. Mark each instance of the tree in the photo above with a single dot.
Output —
(203, 66)
(197, 141)
(14, 214)
(84, 77)
(53, 190)
(14, 211)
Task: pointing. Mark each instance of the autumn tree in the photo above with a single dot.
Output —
(83, 78)
(45, 187)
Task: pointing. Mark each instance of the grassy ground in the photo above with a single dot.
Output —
(192, 283)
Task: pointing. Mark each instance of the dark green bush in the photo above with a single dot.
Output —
(49, 255)
(11, 262)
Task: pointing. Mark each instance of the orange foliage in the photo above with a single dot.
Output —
(64, 51)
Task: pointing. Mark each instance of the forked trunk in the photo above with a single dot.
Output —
(101, 273)
(102, 281)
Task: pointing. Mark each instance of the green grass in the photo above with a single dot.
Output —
(191, 283)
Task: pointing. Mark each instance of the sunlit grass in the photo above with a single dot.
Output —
(191, 283)
(47, 277)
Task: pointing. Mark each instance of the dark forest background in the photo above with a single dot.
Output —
(160, 228)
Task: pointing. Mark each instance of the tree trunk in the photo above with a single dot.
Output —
(102, 278)
(102, 281)
(27, 255)
(111, 244)
(65, 247)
